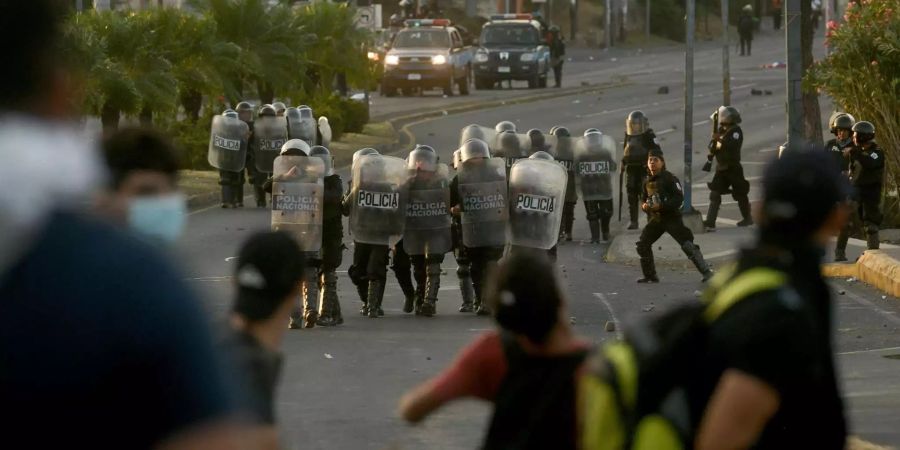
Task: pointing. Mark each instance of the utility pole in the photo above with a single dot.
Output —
(829, 14)
(687, 207)
(607, 26)
(573, 16)
(647, 20)
(726, 70)
(794, 75)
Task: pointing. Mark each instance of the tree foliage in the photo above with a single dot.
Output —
(862, 73)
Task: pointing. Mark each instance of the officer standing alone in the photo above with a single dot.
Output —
(639, 140)
(557, 54)
(662, 199)
(725, 148)
(867, 177)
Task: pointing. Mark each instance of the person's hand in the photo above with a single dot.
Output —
(456, 210)
(716, 136)
(645, 207)
(847, 151)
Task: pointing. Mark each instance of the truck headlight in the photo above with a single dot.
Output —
(481, 57)
(392, 60)
(438, 60)
(527, 57)
(372, 56)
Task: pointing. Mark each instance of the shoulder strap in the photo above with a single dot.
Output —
(728, 288)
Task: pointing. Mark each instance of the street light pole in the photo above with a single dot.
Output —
(794, 75)
(726, 70)
(608, 19)
(687, 207)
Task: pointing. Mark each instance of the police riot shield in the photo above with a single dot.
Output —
(324, 136)
(563, 150)
(228, 143)
(485, 212)
(378, 199)
(511, 147)
(537, 190)
(271, 133)
(476, 132)
(301, 125)
(428, 214)
(595, 164)
(298, 199)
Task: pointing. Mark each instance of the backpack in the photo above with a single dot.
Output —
(633, 395)
(535, 407)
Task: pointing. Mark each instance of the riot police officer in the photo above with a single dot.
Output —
(479, 195)
(228, 153)
(594, 164)
(538, 141)
(725, 148)
(369, 261)
(332, 251)
(867, 177)
(557, 54)
(505, 125)
(662, 198)
(427, 236)
(841, 126)
(463, 265)
(639, 140)
(280, 108)
(537, 188)
(245, 113)
(269, 134)
(565, 155)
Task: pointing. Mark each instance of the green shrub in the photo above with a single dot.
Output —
(344, 115)
(193, 140)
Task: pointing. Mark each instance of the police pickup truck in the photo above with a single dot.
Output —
(425, 54)
(512, 47)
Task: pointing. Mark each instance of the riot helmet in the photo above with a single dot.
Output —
(538, 142)
(293, 146)
(560, 132)
(457, 158)
(292, 113)
(474, 148)
(591, 130)
(322, 153)
(541, 155)
(305, 112)
(841, 121)
(747, 8)
(471, 132)
(593, 139)
(427, 148)
(505, 126)
(267, 111)
(510, 143)
(636, 124)
(230, 113)
(729, 115)
(422, 158)
(279, 108)
(863, 132)
(245, 111)
(363, 152)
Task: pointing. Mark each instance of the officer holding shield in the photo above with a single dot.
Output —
(595, 163)
(564, 153)
(332, 251)
(463, 265)
(427, 236)
(479, 197)
(537, 188)
(362, 252)
(269, 135)
(228, 152)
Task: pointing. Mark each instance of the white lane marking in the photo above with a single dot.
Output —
(768, 150)
(890, 316)
(612, 314)
(721, 254)
(214, 279)
(870, 351)
(231, 258)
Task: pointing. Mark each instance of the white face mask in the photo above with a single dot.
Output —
(161, 219)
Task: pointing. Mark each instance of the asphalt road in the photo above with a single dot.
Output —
(340, 385)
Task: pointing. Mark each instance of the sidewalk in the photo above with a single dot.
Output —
(878, 268)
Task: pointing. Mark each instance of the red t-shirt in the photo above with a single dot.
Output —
(478, 370)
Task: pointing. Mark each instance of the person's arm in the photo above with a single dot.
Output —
(737, 412)
(674, 196)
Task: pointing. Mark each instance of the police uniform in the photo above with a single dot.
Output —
(463, 265)
(835, 148)
(867, 176)
(368, 272)
(256, 178)
(332, 253)
(664, 191)
(557, 53)
(401, 264)
(729, 176)
(634, 165)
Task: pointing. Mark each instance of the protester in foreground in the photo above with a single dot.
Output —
(527, 368)
(143, 189)
(268, 273)
(768, 379)
(103, 345)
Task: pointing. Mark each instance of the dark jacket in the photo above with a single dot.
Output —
(867, 166)
(665, 189)
(727, 149)
(835, 148)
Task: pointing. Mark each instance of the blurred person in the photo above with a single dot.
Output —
(866, 165)
(557, 54)
(767, 377)
(143, 189)
(527, 368)
(110, 349)
(745, 29)
(776, 14)
(270, 267)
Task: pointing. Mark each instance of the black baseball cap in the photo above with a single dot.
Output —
(269, 266)
(800, 190)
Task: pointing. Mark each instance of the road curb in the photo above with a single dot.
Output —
(620, 252)
(874, 267)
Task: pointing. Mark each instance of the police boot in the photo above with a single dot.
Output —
(648, 267)
(633, 211)
(239, 196)
(409, 292)
(296, 322)
(324, 319)
(568, 226)
(329, 312)
(363, 290)
(374, 297)
(260, 195)
(872, 241)
(466, 290)
(481, 308)
(310, 302)
(604, 229)
(744, 206)
(594, 226)
(712, 214)
(432, 286)
(227, 197)
(693, 253)
(381, 287)
(840, 248)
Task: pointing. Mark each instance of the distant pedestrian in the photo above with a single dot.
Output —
(557, 54)
(103, 346)
(270, 267)
(528, 368)
(745, 26)
(776, 14)
(143, 190)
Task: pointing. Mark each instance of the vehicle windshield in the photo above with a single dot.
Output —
(422, 39)
(510, 35)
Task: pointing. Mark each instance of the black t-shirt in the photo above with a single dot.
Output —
(784, 339)
(257, 370)
(101, 344)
